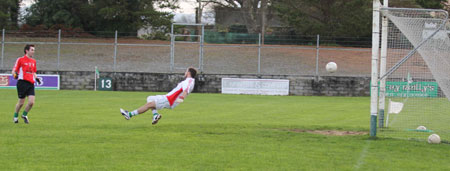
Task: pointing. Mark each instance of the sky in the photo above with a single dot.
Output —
(27, 3)
(187, 6)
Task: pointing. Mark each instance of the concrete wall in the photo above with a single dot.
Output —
(211, 83)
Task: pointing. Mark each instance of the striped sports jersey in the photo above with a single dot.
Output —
(26, 67)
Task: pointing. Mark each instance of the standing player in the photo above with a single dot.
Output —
(170, 100)
(25, 71)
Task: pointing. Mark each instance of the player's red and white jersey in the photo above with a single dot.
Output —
(186, 85)
(26, 67)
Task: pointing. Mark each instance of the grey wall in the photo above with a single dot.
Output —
(211, 83)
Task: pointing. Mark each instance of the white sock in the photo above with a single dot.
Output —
(154, 111)
(134, 113)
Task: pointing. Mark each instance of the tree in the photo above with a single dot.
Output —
(101, 15)
(403, 4)
(57, 12)
(129, 16)
(250, 10)
(350, 18)
(9, 13)
(434, 4)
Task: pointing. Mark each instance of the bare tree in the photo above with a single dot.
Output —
(251, 12)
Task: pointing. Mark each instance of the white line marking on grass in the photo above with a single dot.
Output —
(363, 155)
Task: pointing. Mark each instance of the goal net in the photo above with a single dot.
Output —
(418, 75)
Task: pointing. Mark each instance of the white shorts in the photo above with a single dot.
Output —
(161, 102)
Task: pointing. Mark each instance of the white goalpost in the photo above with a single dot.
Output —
(413, 75)
(186, 46)
(383, 55)
(374, 73)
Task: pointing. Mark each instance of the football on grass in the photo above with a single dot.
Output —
(434, 139)
(421, 128)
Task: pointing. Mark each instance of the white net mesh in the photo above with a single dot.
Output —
(418, 57)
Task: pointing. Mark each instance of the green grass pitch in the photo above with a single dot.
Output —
(83, 130)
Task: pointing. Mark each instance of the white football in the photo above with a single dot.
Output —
(434, 139)
(421, 128)
(331, 67)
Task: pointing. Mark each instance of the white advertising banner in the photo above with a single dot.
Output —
(255, 86)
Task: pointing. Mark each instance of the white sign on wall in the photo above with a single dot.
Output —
(255, 86)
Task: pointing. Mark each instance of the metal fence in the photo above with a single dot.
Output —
(113, 52)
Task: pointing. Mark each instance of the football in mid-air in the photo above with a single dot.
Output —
(331, 67)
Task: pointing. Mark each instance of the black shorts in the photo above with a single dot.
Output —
(24, 89)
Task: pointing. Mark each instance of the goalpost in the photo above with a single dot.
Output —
(186, 47)
(413, 75)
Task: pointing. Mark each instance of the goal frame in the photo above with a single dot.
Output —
(379, 55)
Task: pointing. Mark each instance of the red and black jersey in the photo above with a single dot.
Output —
(26, 67)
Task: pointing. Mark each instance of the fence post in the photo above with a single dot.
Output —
(3, 45)
(59, 47)
(259, 53)
(115, 51)
(200, 53)
(172, 39)
(317, 55)
(201, 47)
